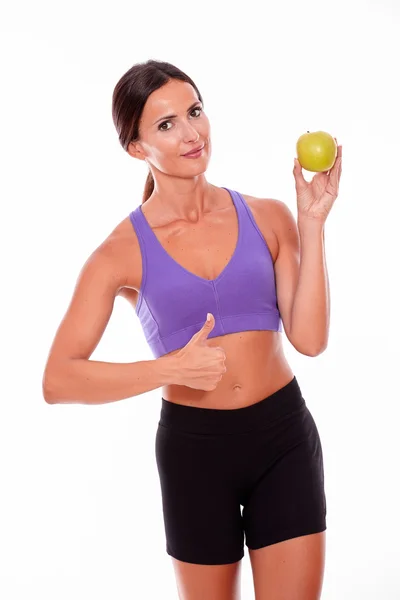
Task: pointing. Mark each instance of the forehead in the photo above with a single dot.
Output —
(173, 96)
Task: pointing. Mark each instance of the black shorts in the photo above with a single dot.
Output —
(265, 459)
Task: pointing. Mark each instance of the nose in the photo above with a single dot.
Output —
(190, 134)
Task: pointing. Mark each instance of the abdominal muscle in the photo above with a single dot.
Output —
(255, 368)
(255, 363)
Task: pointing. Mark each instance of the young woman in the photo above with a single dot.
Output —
(237, 449)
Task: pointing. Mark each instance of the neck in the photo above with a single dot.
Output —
(186, 199)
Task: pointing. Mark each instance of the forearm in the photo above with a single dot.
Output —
(311, 304)
(82, 381)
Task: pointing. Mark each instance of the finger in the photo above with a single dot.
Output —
(338, 159)
(334, 175)
(298, 173)
(339, 148)
(335, 170)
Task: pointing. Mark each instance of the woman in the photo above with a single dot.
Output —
(235, 432)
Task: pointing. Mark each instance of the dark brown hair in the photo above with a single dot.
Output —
(130, 96)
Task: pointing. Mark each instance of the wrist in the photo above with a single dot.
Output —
(169, 370)
(310, 223)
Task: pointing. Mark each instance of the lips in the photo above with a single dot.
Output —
(194, 151)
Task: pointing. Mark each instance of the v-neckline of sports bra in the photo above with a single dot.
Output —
(231, 260)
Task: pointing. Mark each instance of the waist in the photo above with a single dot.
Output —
(194, 419)
(255, 367)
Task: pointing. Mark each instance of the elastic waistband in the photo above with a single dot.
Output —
(193, 419)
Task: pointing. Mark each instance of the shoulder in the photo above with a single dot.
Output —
(114, 244)
(119, 253)
(276, 211)
(273, 215)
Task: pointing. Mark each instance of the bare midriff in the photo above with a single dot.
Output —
(255, 362)
(255, 368)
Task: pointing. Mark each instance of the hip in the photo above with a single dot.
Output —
(260, 434)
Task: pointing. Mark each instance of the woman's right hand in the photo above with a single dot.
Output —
(201, 366)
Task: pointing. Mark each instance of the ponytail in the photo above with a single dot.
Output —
(148, 188)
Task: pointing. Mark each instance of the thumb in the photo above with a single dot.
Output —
(207, 327)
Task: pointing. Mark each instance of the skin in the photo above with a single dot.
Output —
(196, 223)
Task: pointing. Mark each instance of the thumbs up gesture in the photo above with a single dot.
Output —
(201, 366)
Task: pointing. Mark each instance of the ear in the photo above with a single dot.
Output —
(135, 150)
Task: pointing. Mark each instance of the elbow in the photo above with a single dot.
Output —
(55, 376)
(310, 341)
(308, 349)
(48, 398)
(314, 350)
(48, 391)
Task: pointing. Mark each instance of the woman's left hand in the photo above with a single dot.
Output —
(315, 199)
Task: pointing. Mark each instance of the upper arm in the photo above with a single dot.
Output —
(89, 310)
(287, 263)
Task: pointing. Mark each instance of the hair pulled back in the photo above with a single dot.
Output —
(130, 96)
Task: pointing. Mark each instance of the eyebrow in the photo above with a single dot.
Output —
(173, 116)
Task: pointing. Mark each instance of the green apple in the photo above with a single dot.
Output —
(316, 151)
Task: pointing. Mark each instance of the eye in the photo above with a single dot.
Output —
(165, 122)
(198, 108)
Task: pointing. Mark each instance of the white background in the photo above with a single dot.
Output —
(80, 505)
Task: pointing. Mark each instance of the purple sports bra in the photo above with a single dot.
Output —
(173, 302)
